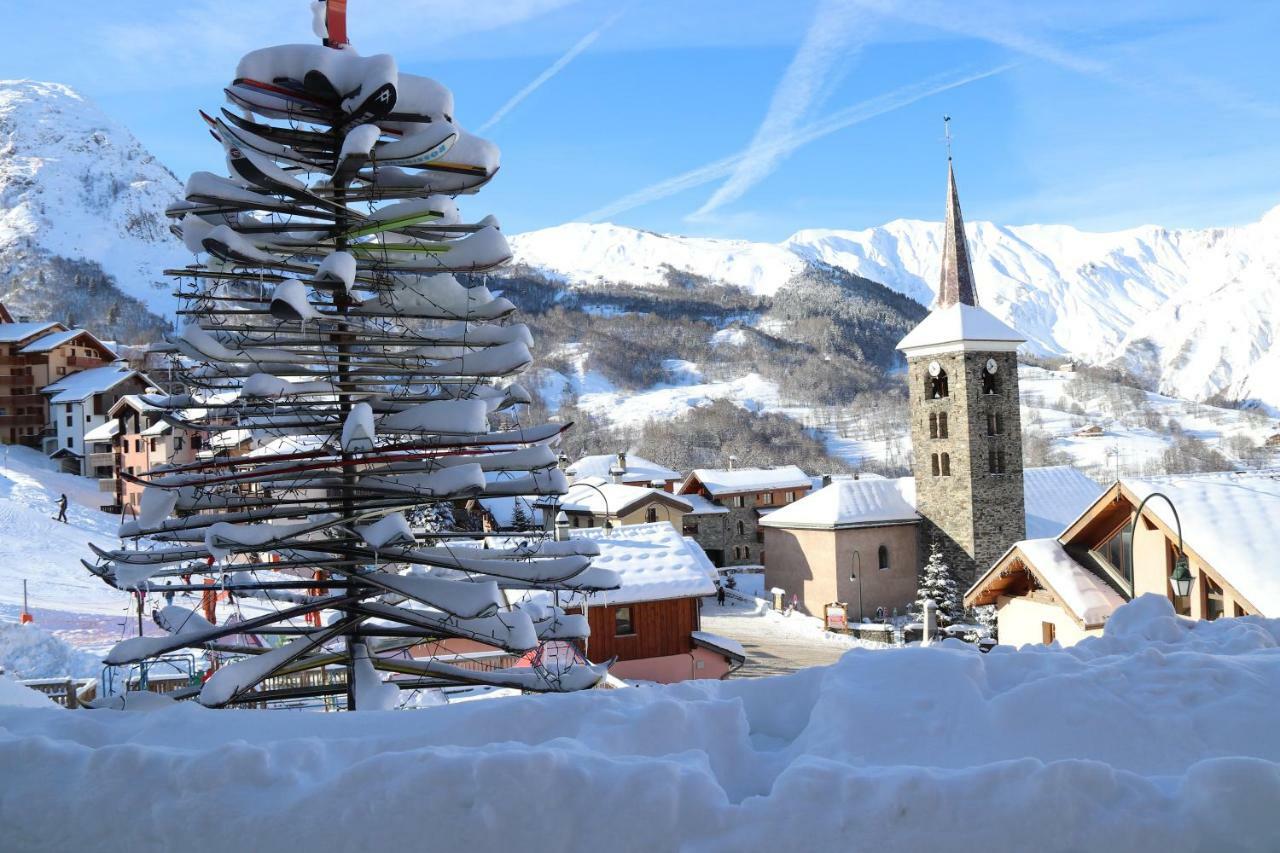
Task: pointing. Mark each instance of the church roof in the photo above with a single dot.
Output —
(1054, 497)
(957, 324)
(956, 286)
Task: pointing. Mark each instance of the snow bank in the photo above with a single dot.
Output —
(30, 652)
(15, 695)
(1158, 736)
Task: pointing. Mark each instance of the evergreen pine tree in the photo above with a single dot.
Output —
(938, 583)
(520, 517)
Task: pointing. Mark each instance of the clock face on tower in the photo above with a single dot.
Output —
(934, 369)
(992, 367)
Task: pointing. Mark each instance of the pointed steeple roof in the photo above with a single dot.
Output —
(957, 285)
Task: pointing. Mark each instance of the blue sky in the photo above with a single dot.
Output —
(756, 119)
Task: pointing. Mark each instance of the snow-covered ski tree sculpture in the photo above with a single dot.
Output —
(324, 322)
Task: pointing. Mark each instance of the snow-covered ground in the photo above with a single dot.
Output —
(1159, 736)
(64, 597)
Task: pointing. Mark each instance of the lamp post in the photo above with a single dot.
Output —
(856, 575)
(1180, 578)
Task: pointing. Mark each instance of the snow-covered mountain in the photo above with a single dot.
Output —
(1197, 310)
(81, 210)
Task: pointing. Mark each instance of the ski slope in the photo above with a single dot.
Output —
(47, 553)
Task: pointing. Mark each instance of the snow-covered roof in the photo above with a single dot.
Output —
(720, 481)
(134, 401)
(701, 506)
(848, 503)
(1082, 592)
(654, 561)
(57, 339)
(639, 469)
(1232, 521)
(103, 432)
(14, 332)
(85, 383)
(597, 495)
(948, 328)
(1055, 497)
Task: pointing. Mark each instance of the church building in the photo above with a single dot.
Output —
(966, 430)
(863, 542)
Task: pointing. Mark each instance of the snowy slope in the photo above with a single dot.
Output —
(1197, 310)
(47, 553)
(582, 254)
(75, 184)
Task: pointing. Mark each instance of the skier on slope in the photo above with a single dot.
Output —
(62, 509)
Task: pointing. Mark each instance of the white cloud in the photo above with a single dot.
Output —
(838, 120)
(834, 35)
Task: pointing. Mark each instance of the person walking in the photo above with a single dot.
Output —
(719, 594)
(62, 509)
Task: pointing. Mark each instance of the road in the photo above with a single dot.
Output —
(775, 645)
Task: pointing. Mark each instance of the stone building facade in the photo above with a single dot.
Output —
(731, 536)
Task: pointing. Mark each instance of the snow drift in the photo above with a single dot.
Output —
(1158, 736)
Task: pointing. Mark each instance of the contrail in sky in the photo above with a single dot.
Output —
(818, 65)
(551, 71)
(838, 120)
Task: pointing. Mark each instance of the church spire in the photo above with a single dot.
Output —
(957, 273)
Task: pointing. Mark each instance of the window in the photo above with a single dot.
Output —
(577, 522)
(789, 497)
(737, 552)
(153, 445)
(937, 470)
(933, 425)
(942, 425)
(196, 442)
(67, 408)
(88, 418)
(739, 501)
(1000, 461)
(746, 552)
(1048, 632)
(62, 371)
(1115, 553)
(946, 464)
(883, 558)
(69, 441)
(690, 528)
(1214, 606)
(935, 387)
(990, 382)
(742, 528)
(995, 424)
(765, 499)
(651, 514)
(995, 460)
(68, 420)
(137, 445)
(622, 624)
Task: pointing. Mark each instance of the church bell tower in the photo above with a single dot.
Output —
(966, 432)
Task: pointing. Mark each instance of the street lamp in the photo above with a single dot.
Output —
(856, 575)
(608, 525)
(1181, 577)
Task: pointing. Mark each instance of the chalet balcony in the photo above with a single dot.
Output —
(108, 484)
(84, 362)
(102, 460)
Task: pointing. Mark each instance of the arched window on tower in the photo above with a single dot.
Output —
(884, 558)
(942, 425)
(936, 469)
(935, 387)
(933, 425)
(990, 382)
(742, 529)
(991, 459)
(946, 464)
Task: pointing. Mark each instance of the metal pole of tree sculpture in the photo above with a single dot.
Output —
(328, 331)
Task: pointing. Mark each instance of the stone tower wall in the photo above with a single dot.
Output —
(973, 515)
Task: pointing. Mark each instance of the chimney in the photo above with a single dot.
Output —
(562, 462)
(562, 527)
(732, 460)
(622, 460)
